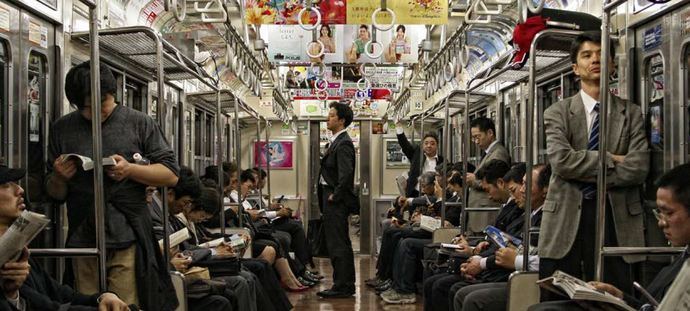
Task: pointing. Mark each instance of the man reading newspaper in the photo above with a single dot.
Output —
(24, 285)
(673, 217)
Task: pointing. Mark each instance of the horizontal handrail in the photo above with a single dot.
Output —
(63, 252)
(653, 251)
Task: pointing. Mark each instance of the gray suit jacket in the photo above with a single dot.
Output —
(478, 197)
(573, 164)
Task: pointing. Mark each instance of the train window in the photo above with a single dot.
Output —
(134, 95)
(209, 134)
(119, 92)
(4, 110)
(197, 132)
(654, 70)
(173, 141)
(188, 128)
(154, 108)
(36, 107)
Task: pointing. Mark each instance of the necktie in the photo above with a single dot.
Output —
(589, 191)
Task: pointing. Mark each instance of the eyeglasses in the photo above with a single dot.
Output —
(659, 215)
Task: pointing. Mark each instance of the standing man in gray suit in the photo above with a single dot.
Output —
(339, 199)
(567, 235)
(483, 132)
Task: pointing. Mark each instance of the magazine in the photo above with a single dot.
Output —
(501, 238)
(86, 162)
(570, 286)
(21, 232)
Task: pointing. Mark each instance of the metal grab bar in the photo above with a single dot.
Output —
(482, 209)
(650, 251)
(63, 252)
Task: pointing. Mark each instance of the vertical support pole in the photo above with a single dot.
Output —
(604, 96)
(219, 161)
(268, 160)
(161, 122)
(466, 155)
(181, 131)
(238, 158)
(529, 156)
(421, 143)
(258, 138)
(446, 158)
(98, 192)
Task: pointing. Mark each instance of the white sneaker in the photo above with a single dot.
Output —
(393, 297)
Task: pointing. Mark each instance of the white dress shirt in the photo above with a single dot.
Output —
(589, 103)
(488, 149)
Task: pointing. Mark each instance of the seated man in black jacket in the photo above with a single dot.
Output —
(673, 217)
(25, 285)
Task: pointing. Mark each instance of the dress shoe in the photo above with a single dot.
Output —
(304, 282)
(329, 293)
(314, 275)
(294, 290)
(310, 279)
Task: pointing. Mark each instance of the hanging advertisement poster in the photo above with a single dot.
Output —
(397, 45)
(291, 43)
(419, 12)
(286, 12)
(279, 154)
(312, 108)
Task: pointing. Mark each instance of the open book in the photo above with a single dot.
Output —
(177, 238)
(565, 284)
(86, 162)
(21, 232)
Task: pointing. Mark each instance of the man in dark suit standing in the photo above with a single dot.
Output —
(337, 183)
(422, 158)
(567, 236)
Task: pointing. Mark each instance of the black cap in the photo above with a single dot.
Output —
(10, 174)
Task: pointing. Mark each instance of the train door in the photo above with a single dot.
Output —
(549, 93)
(36, 108)
(7, 106)
(653, 43)
(685, 101)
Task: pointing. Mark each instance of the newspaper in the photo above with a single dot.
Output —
(677, 297)
(429, 223)
(401, 182)
(565, 284)
(86, 162)
(21, 232)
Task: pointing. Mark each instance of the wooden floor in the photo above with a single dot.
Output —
(364, 299)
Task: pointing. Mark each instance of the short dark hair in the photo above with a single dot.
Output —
(456, 179)
(588, 36)
(676, 181)
(364, 26)
(187, 184)
(78, 84)
(492, 171)
(400, 27)
(516, 173)
(544, 176)
(229, 167)
(208, 201)
(484, 124)
(260, 172)
(432, 135)
(247, 175)
(427, 178)
(343, 111)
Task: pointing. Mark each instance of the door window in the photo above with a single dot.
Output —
(36, 108)
(4, 109)
(654, 70)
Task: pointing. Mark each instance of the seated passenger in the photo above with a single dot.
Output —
(673, 217)
(493, 295)
(25, 285)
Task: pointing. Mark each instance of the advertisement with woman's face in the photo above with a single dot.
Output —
(397, 45)
(294, 44)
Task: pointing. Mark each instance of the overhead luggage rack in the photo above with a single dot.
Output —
(139, 45)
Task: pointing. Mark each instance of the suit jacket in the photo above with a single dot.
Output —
(478, 197)
(416, 156)
(573, 164)
(662, 282)
(338, 170)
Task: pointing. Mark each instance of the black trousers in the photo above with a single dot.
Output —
(269, 281)
(389, 243)
(579, 261)
(338, 242)
(299, 243)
